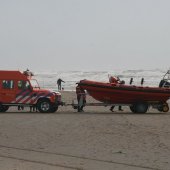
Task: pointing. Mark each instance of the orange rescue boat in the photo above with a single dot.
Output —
(139, 98)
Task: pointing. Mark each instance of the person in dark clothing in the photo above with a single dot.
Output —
(20, 107)
(81, 98)
(33, 108)
(59, 83)
(112, 107)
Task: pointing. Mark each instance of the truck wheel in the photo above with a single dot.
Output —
(3, 108)
(44, 106)
(54, 109)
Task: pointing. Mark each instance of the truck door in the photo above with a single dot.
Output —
(23, 94)
(7, 92)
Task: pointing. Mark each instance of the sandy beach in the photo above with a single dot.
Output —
(96, 139)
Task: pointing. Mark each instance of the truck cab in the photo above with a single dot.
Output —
(20, 89)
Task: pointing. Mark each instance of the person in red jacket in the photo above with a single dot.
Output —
(120, 107)
(113, 79)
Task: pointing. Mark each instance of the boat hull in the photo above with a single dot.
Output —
(124, 94)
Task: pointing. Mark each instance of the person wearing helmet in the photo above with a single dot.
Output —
(120, 107)
(113, 79)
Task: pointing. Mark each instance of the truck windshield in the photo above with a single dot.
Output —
(34, 83)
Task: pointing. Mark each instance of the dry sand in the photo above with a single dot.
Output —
(95, 139)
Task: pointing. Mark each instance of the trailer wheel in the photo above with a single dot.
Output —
(44, 106)
(141, 107)
(160, 108)
(3, 108)
(165, 107)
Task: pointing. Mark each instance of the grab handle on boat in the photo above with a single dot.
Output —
(142, 81)
(131, 81)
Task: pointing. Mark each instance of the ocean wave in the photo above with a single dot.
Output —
(49, 79)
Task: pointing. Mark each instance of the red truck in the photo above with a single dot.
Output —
(20, 89)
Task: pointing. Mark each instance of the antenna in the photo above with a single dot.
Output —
(167, 73)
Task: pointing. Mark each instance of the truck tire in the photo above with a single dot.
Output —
(44, 106)
(53, 109)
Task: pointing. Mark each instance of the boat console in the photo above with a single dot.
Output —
(165, 82)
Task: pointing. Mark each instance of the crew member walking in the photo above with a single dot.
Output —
(120, 107)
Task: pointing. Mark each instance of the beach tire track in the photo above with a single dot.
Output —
(39, 162)
(65, 155)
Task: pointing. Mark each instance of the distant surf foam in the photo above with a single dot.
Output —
(49, 79)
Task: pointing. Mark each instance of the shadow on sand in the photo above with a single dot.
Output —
(88, 113)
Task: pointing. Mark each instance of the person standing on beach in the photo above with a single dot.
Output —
(81, 98)
(59, 83)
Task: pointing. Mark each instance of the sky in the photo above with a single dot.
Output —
(70, 35)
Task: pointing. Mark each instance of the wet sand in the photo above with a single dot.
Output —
(95, 139)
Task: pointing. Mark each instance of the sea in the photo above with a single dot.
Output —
(48, 79)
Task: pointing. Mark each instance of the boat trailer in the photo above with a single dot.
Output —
(155, 105)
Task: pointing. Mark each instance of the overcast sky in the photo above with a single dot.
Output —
(84, 34)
